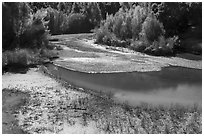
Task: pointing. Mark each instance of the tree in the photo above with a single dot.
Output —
(15, 16)
(93, 13)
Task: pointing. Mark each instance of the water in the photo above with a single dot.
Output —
(170, 85)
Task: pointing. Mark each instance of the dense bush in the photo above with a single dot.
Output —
(18, 57)
(26, 57)
(139, 16)
(162, 46)
(22, 28)
(36, 33)
(138, 29)
(14, 18)
(126, 24)
(60, 23)
(183, 16)
(122, 25)
(152, 29)
(104, 36)
(57, 21)
(138, 45)
(25, 34)
(78, 23)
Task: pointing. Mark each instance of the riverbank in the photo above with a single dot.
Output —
(81, 54)
(57, 107)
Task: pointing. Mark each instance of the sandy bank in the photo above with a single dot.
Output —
(81, 54)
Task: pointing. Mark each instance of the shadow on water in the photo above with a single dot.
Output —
(175, 82)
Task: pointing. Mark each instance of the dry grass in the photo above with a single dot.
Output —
(117, 118)
(104, 116)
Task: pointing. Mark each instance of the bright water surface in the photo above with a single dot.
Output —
(170, 85)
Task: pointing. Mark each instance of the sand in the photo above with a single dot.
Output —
(81, 54)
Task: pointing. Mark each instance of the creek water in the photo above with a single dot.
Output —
(171, 85)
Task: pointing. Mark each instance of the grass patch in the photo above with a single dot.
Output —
(117, 118)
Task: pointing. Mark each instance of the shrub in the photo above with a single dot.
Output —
(14, 18)
(108, 23)
(118, 21)
(122, 24)
(139, 16)
(93, 14)
(57, 21)
(22, 28)
(152, 29)
(104, 36)
(26, 57)
(139, 27)
(78, 23)
(101, 33)
(18, 57)
(46, 53)
(61, 23)
(138, 46)
(162, 47)
(36, 33)
(125, 24)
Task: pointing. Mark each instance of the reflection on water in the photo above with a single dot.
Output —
(170, 85)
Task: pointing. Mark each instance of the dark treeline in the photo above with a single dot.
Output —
(29, 24)
(24, 23)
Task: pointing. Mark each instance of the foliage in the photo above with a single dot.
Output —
(14, 18)
(177, 21)
(139, 16)
(36, 33)
(57, 21)
(104, 36)
(93, 13)
(109, 8)
(25, 57)
(152, 29)
(122, 25)
(81, 18)
(138, 26)
(18, 57)
(163, 46)
(138, 45)
(77, 23)
(21, 28)
(27, 24)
